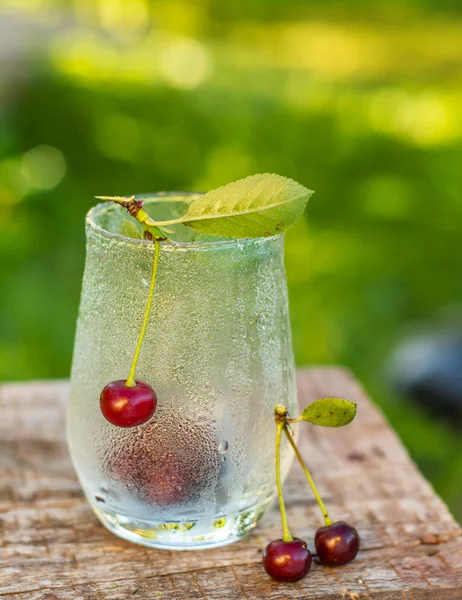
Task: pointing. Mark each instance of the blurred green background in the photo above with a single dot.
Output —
(359, 101)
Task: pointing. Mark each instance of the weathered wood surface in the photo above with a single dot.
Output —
(52, 547)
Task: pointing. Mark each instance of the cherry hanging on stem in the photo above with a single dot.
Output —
(131, 402)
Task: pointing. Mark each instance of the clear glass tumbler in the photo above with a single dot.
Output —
(218, 353)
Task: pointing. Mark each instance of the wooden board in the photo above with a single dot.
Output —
(52, 547)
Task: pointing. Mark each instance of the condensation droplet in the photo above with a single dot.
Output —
(223, 447)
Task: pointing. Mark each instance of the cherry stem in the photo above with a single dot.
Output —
(286, 537)
(327, 520)
(131, 376)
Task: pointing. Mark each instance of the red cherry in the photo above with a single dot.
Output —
(336, 544)
(126, 406)
(287, 561)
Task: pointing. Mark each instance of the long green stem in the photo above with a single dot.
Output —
(286, 537)
(327, 520)
(131, 376)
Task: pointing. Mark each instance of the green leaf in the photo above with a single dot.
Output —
(129, 229)
(329, 412)
(257, 206)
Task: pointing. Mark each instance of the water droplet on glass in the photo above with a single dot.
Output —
(223, 447)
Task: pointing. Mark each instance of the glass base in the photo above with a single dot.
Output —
(181, 535)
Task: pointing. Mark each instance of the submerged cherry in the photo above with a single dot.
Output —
(169, 461)
(126, 406)
(287, 561)
(336, 544)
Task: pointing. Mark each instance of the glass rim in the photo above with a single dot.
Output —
(90, 222)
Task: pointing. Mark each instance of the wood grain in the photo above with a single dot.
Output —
(52, 547)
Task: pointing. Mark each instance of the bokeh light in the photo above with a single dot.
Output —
(43, 167)
(123, 18)
(184, 63)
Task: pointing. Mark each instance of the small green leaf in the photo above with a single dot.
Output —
(129, 229)
(257, 206)
(329, 412)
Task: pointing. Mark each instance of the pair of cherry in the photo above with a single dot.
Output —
(288, 559)
(336, 544)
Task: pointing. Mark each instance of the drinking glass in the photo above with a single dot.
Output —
(218, 353)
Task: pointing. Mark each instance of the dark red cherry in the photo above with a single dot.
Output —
(287, 561)
(126, 406)
(336, 544)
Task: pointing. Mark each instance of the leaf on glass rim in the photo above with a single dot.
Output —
(329, 412)
(129, 229)
(257, 206)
